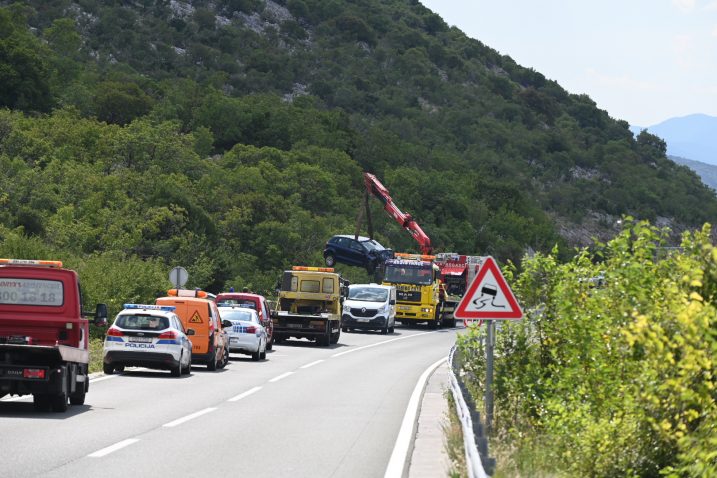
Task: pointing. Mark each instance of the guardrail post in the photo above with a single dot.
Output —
(489, 377)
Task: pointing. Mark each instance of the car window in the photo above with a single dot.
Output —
(356, 246)
(372, 245)
(142, 322)
(239, 302)
(239, 314)
(368, 294)
(310, 286)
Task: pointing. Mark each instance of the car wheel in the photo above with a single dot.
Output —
(212, 364)
(344, 329)
(330, 260)
(255, 356)
(262, 355)
(270, 344)
(390, 330)
(384, 330)
(188, 368)
(176, 371)
(108, 369)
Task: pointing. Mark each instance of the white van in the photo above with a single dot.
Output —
(369, 307)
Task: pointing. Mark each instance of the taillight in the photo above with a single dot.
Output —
(33, 373)
(250, 329)
(170, 334)
(114, 332)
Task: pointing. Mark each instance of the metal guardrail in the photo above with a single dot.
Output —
(475, 442)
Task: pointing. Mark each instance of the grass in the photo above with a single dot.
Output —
(454, 441)
(96, 354)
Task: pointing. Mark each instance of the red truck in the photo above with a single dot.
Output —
(44, 333)
(457, 271)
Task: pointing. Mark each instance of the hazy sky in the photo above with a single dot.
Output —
(643, 61)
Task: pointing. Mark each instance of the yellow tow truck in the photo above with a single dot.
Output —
(419, 296)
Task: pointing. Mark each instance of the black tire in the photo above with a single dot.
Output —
(262, 356)
(255, 356)
(225, 358)
(335, 337)
(330, 260)
(384, 330)
(279, 339)
(344, 329)
(41, 402)
(78, 398)
(390, 330)
(188, 368)
(59, 402)
(108, 369)
(176, 371)
(270, 344)
(212, 364)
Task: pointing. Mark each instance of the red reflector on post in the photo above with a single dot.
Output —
(33, 373)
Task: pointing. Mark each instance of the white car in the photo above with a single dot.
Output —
(369, 307)
(246, 335)
(150, 336)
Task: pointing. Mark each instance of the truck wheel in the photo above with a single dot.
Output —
(330, 260)
(108, 369)
(78, 398)
(41, 402)
(59, 402)
(335, 337)
(344, 329)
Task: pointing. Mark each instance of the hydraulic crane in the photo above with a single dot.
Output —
(374, 187)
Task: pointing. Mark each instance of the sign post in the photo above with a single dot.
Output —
(178, 277)
(488, 298)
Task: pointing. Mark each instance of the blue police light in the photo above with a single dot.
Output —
(168, 308)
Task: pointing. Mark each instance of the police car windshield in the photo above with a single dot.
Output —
(368, 294)
(142, 322)
(238, 314)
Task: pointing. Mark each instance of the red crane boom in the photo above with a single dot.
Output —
(374, 187)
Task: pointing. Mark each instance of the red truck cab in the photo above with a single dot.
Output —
(43, 333)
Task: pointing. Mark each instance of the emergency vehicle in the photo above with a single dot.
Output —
(150, 336)
(44, 333)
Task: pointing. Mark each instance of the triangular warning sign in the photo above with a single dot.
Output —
(488, 297)
(196, 318)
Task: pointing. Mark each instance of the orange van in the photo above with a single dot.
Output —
(198, 312)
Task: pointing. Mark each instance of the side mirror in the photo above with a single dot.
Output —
(392, 302)
(101, 315)
(227, 324)
(190, 332)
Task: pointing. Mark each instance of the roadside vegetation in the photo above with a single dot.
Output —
(612, 371)
(453, 434)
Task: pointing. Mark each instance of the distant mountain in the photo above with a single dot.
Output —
(707, 172)
(693, 137)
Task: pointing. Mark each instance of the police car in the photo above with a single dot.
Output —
(150, 336)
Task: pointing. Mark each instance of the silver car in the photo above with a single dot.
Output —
(246, 335)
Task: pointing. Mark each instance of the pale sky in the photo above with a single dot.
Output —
(643, 61)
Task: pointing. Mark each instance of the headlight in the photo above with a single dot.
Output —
(425, 310)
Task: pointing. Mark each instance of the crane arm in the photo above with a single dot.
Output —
(374, 187)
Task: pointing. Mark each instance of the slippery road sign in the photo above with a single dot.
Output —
(488, 297)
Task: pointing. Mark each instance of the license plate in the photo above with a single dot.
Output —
(403, 307)
(363, 320)
(294, 326)
(145, 340)
(233, 341)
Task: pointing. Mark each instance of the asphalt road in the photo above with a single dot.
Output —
(306, 411)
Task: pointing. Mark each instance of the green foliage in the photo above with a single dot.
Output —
(611, 372)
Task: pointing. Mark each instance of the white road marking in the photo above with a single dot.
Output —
(283, 375)
(111, 448)
(194, 415)
(245, 394)
(311, 364)
(381, 343)
(104, 377)
(403, 441)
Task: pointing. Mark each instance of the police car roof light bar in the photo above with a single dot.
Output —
(168, 308)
